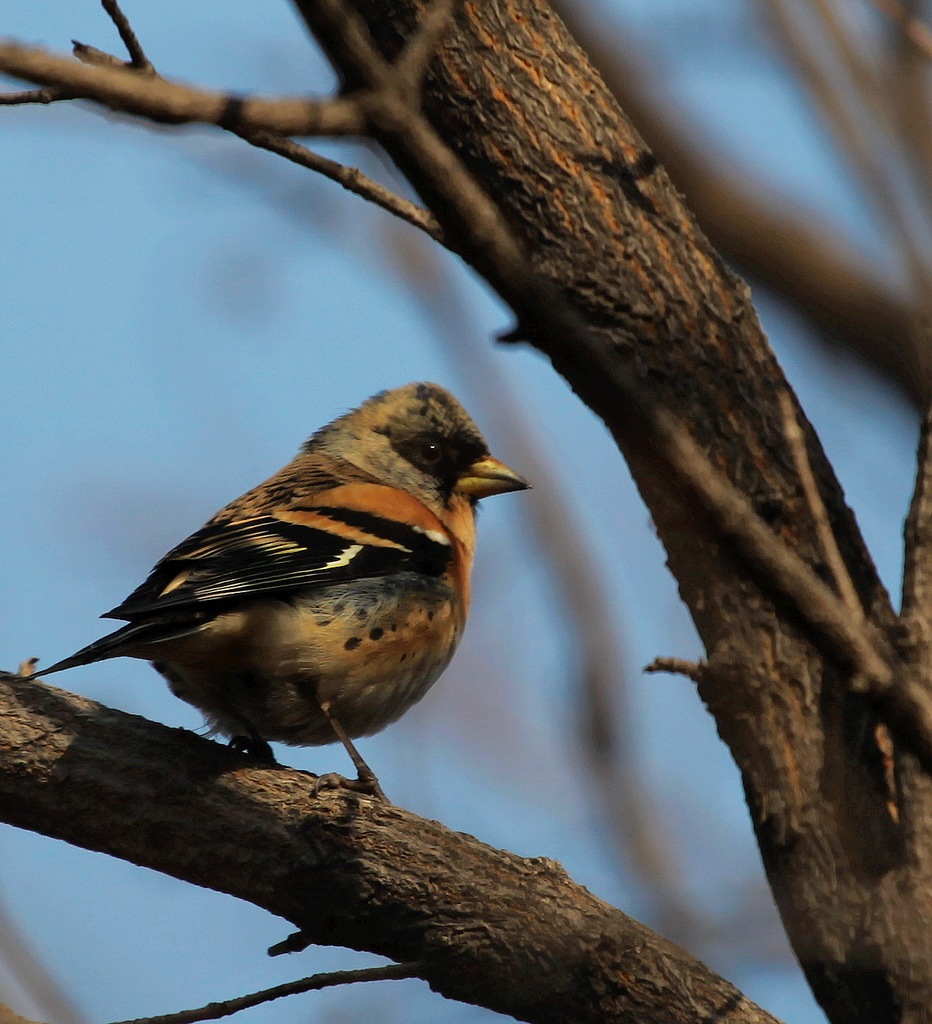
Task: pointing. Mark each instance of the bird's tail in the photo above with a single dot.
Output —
(127, 641)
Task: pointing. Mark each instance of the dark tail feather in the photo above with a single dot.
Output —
(123, 641)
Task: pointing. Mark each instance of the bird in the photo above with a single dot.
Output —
(326, 601)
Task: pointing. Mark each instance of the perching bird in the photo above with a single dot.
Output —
(326, 601)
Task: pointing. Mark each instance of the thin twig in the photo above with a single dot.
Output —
(137, 56)
(213, 1011)
(793, 254)
(33, 976)
(860, 71)
(865, 155)
(352, 179)
(97, 58)
(826, 535)
(778, 567)
(678, 667)
(907, 82)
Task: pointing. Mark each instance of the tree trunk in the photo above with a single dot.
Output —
(840, 809)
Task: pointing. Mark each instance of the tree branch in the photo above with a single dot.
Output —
(351, 178)
(849, 304)
(137, 55)
(917, 569)
(490, 928)
(316, 982)
(125, 89)
(666, 327)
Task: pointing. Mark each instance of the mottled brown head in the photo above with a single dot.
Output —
(421, 439)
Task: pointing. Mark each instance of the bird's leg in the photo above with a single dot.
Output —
(365, 781)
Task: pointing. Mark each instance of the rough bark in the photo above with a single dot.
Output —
(840, 810)
(795, 254)
(515, 935)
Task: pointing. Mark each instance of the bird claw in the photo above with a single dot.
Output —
(365, 783)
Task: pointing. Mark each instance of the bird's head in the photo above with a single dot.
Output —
(421, 439)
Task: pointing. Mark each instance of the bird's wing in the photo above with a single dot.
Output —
(350, 532)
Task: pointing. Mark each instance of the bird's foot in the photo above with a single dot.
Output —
(255, 746)
(365, 782)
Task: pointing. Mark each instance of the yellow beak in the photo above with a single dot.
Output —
(489, 476)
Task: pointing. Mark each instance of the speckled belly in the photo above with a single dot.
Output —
(372, 649)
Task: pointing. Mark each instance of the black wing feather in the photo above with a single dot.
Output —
(264, 555)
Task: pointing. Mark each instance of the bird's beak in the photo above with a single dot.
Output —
(489, 476)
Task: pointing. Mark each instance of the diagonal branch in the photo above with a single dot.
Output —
(477, 226)
(137, 56)
(793, 255)
(410, 65)
(866, 158)
(797, 442)
(351, 178)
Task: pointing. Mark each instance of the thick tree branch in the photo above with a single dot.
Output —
(494, 929)
(665, 325)
(798, 257)
(485, 238)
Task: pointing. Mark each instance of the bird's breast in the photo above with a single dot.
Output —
(371, 649)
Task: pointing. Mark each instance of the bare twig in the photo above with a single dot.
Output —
(32, 975)
(794, 255)
(98, 58)
(678, 667)
(150, 96)
(865, 156)
(824, 531)
(907, 81)
(861, 73)
(779, 568)
(214, 1011)
(352, 179)
(137, 56)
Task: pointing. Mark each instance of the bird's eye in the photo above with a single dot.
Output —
(430, 453)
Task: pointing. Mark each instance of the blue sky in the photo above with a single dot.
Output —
(177, 313)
